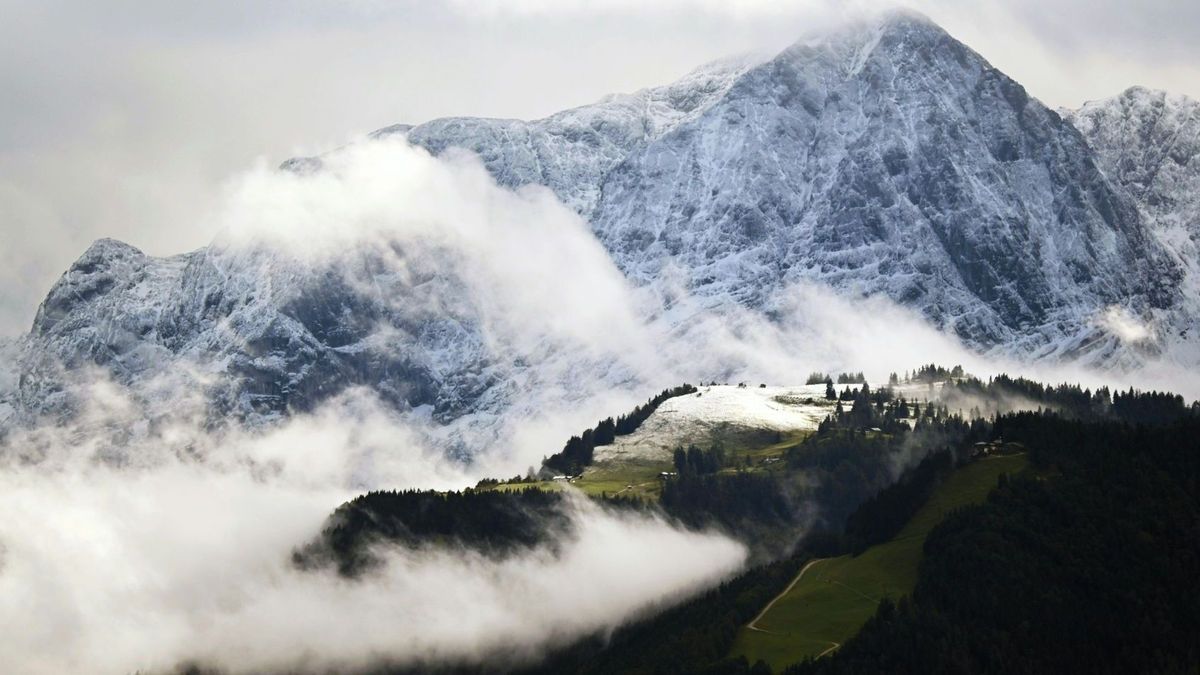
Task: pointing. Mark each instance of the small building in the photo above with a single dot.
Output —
(983, 449)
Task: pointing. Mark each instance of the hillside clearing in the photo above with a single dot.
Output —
(835, 598)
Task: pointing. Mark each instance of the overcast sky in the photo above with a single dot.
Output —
(123, 118)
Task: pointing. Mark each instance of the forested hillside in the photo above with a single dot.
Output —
(1085, 562)
(1088, 567)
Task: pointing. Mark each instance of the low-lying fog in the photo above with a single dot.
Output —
(128, 545)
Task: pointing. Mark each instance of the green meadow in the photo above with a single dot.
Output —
(834, 597)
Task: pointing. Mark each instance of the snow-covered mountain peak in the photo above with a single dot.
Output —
(107, 270)
(107, 247)
(884, 158)
(867, 30)
(889, 158)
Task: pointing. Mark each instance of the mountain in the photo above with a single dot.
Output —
(885, 158)
(279, 336)
(429, 316)
(1148, 143)
(572, 152)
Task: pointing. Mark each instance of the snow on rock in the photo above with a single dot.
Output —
(571, 151)
(1148, 143)
(884, 158)
(263, 334)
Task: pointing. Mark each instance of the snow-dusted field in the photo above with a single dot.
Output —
(696, 417)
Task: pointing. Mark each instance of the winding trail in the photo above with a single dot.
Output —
(835, 646)
(752, 625)
(787, 590)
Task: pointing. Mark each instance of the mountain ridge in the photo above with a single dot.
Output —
(886, 158)
(678, 217)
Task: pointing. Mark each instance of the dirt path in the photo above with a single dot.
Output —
(835, 646)
(630, 487)
(787, 590)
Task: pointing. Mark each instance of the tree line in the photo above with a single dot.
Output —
(579, 450)
(697, 462)
(881, 517)
(817, 377)
(492, 522)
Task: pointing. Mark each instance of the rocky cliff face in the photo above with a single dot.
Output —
(1148, 144)
(883, 159)
(265, 333)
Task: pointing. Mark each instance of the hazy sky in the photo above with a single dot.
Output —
(124, 119)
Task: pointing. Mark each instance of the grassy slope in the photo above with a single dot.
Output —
(836, 596)
(640, 477)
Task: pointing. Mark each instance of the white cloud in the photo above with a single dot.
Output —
(1118, 321)
(182, 552)
(109, 571)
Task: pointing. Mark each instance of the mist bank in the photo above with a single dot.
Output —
(111, 567)
(150, 500)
